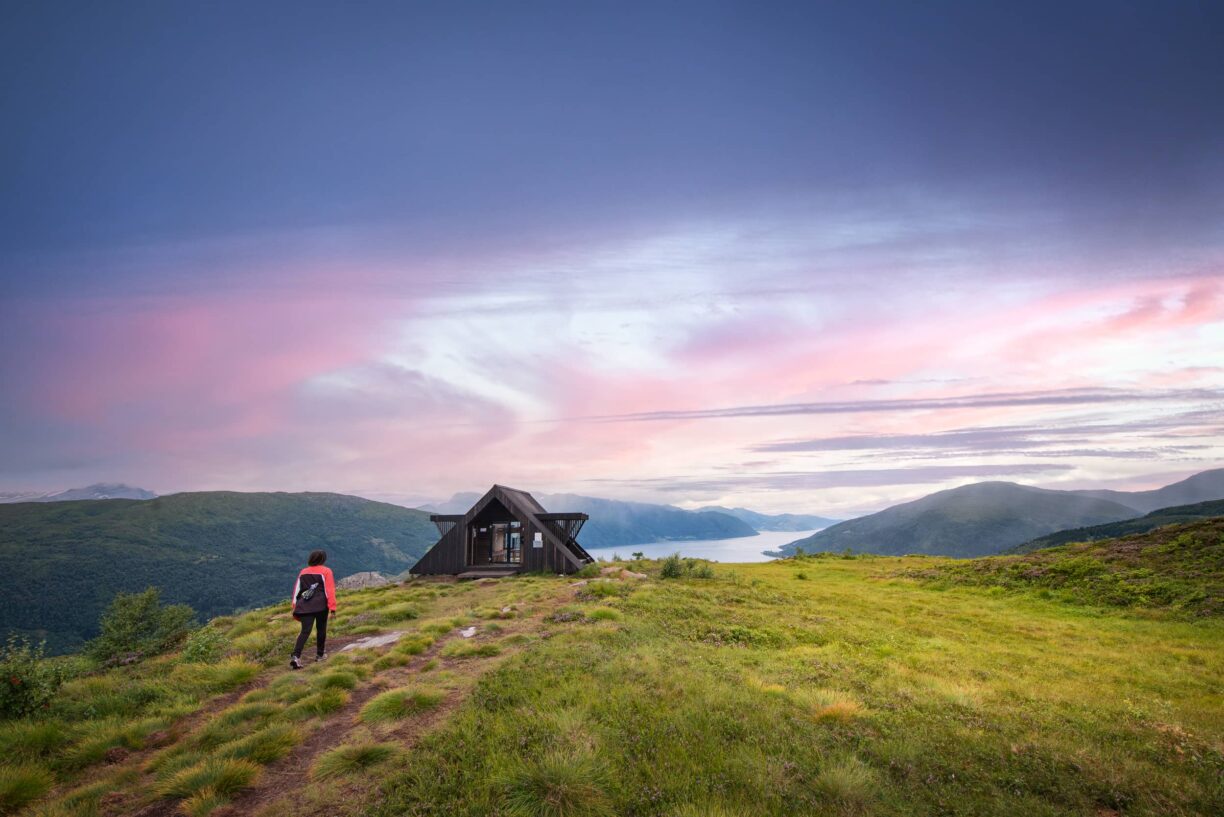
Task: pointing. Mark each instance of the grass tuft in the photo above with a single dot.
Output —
(223, 777)
(352, 759)
(21, 785)
(264, 746)
(556, 785)
(848, 784)
(318, 704)
(400, 703)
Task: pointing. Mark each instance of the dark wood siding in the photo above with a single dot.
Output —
(449, 555)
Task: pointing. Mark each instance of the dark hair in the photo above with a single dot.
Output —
(317, 557)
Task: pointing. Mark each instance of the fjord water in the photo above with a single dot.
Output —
(739, 549)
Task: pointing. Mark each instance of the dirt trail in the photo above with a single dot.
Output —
(282, 779)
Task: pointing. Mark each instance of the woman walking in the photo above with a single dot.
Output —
(314, 596)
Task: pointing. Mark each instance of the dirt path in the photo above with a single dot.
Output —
(281, 780)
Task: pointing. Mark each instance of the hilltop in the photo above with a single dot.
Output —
(1178, 568)
(217, 551)
(821, 686)
(973, 520)
(992, 517)
(1158, 518)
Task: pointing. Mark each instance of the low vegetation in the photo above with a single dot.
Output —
(824, 685)
(1178, 568)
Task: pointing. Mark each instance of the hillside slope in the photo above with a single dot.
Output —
(785, 689)
(1177, 567)
(1179, 514)
(973, 520)
(1201, 487)
(774, 521)
(217, 551)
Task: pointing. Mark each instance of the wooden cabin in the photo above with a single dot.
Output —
(505, 532)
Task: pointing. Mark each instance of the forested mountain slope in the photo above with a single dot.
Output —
(217, 551)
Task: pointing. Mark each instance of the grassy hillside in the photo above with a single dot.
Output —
(973, 520)
(217, 551)
(1178, 567)
(1165, 516)
(827, 686)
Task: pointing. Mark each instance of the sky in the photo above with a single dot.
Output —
(809, 257)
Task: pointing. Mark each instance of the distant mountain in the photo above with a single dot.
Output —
(1179, 514)
(100, 490)
(217, 551)
(1201, 487)
(778, 521)
(614, 523)
(973, 520)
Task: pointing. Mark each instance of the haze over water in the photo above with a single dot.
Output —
(739, 549)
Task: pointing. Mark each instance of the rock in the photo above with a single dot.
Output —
(116, 754)
(373, 641)
(582, 583)
(360, 581)
(629, 574)
(608, 571)
(468, 632)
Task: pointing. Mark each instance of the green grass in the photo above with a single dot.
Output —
(23, 784)
(555, 785)
(337, 679)
(1179, 568)
(356, 758)
(264, 746)
(317, 704)
(400, 703)
(31, 740)
(212, 777)
(468, 649)
(852, 691)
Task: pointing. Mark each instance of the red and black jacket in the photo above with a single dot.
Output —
(323, 598)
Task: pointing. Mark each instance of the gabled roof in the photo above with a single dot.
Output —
(524, 504)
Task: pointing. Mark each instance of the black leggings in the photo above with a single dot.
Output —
(308, 619)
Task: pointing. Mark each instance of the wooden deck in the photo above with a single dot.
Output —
(490, 571)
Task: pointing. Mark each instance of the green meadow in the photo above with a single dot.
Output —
(820, 686)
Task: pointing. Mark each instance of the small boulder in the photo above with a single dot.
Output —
(629, 574)
(360, 581)
(608, 571)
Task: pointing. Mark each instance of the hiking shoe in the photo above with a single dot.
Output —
(321, 656)
(295, 663)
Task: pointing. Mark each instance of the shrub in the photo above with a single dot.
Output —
(604, 614)
(28, 681)
(556, 785)
(352, 759)
(20, 785)
(137, 625)
(589, 571)
(400, 703)
(205, 645)
(677, 567)
(673, 567)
